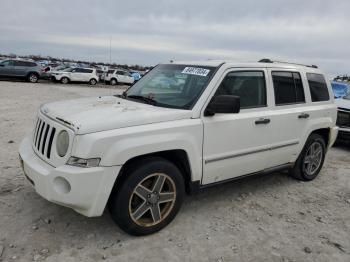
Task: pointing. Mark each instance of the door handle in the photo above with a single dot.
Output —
(262, 121)
(303, 116)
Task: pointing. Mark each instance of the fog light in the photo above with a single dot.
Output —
(61, 185)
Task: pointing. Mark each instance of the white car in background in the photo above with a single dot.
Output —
(115, 76)
(88, 75)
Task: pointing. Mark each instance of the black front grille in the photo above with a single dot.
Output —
(43, 137)
(343, 119)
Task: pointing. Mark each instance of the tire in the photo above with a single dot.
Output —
(134, 204)
(33, 77)
(113, 82)
(93, 82)
(64, 80)
(313, 154)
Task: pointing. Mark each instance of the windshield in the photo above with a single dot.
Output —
(174, 86)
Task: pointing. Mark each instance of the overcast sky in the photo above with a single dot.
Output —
(148, 32)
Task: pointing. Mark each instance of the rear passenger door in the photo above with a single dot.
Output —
(20, 68)
(289, 115)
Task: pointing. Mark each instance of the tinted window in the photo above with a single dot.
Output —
(288, 88)
(86, 70)
(110, 72)
(78, 70)
(7, 63)
(248, 85)
(119, 72)
(318, 87)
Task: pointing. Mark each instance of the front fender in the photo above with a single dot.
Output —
(116, 147)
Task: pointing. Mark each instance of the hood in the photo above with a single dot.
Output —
(343, 103)
(88, 115)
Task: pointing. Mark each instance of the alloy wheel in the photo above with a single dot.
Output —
(152, 200)
(313, 158)
(33, 78)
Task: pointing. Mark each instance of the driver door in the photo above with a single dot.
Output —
(237, 144)
(7, 68)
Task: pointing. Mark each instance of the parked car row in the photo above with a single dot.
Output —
(33, 71)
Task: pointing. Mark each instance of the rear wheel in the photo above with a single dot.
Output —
(149, 198)
(64, 80)
(113, 82)
(33, 78)
(311, 159)
(93, 81)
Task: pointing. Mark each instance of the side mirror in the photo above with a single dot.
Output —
(225, 104)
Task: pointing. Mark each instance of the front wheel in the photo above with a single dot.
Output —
(149, 197)
(113, 82)
(311, 159)
(64, 80)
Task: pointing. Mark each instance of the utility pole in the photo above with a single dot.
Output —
(110, 50)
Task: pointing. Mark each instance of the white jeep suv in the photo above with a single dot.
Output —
(211, 123)
(65, 76)
(115, 76)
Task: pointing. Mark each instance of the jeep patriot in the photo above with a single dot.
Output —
(183, 127)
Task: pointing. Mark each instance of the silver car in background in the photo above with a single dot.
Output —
(28, 70)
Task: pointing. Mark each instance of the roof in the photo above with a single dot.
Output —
(228, 63)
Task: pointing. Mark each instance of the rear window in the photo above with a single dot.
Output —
(288, 88)
(318, 87)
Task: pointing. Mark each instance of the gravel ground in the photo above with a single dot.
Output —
(268, 218)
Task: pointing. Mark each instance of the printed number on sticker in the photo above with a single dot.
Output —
(196, 71)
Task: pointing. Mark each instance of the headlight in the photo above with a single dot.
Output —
(81, 162)
(62, 143)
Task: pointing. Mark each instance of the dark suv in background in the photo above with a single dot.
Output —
(28, 70)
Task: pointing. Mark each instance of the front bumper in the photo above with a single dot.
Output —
(333, 136)
(344, 134)
(86, 190)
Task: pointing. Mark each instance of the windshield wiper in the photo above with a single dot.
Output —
(142, 98)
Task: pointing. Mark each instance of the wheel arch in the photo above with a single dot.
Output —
(324, 132)
(33, 72)
(178, 157)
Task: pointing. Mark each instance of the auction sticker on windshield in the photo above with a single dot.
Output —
(196, 71)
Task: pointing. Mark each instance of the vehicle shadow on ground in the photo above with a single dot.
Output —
(66, 221)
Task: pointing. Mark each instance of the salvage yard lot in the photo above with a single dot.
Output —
(268, 218)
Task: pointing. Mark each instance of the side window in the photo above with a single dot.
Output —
(22, 63)
(318, 87)
(288, 88)
(250, 86)
(119, 72)
(8, 63)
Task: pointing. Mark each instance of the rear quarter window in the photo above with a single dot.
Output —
(318, 87)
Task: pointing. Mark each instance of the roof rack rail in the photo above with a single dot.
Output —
(267, 60)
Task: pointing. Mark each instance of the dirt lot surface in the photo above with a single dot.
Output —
(269, 218)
